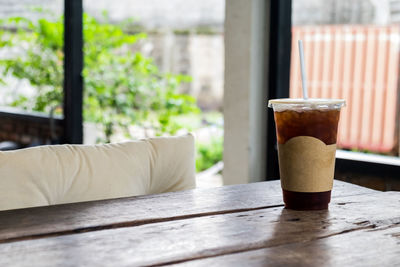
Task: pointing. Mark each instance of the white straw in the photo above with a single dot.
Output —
(303, 70)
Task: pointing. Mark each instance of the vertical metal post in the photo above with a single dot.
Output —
(279, 72)
(73, 63)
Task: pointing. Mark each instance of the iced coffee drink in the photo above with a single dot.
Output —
(306, 133)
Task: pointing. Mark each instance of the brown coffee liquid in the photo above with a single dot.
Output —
(306, 201)
(321, 124)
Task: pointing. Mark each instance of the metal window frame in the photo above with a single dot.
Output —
(278, 87)
(280, 40)
(73, 65)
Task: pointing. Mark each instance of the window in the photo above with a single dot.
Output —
(352, 52)
(31, 65)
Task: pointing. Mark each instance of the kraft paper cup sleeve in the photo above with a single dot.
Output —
(306, 164)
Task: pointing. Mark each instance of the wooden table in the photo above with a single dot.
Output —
(238, 225)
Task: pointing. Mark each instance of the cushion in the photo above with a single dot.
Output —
(56, 174)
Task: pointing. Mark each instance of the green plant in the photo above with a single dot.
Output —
(121, 87)
(208, 153)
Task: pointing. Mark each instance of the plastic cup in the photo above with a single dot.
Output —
(306, 132)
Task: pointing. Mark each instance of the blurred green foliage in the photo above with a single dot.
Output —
(121, 87)
(209, 153)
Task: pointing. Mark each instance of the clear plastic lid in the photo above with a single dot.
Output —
(305, 104)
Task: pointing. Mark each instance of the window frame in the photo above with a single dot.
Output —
(278, 87)
(279, 72)
(73, 65)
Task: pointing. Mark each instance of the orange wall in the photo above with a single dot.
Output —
(361, 65)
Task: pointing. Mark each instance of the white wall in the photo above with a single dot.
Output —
(152, 14)
(176, 14)
(246, 31)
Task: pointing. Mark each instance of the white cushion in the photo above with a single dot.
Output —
(58, 174)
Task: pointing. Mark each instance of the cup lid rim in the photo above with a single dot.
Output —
(310, 101)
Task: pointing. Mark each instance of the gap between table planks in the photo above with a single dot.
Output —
(373, 216)
(133, 211)
(202, 237)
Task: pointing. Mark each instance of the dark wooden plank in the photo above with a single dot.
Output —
(201, 237)
(367, 247)
(90, 216)
(31, 116)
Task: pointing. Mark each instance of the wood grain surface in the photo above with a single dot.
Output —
(357, 226)
(127, 212)
(365, 247)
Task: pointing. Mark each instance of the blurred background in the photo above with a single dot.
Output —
(154, 67)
